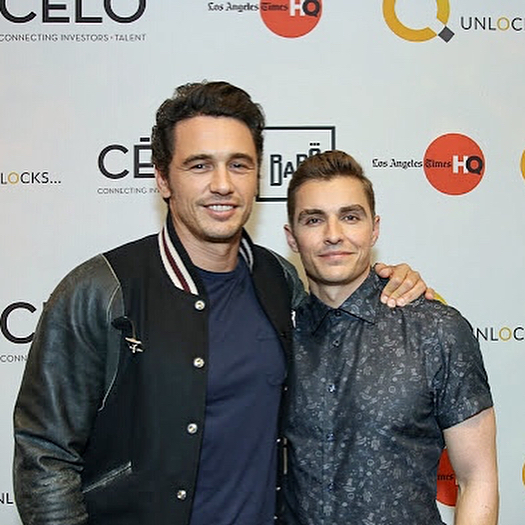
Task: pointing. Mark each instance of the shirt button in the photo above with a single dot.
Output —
(337, 313)
(192, 428)
(331, 388)
(336, 342)
(198, 362)
(200, 305)
(182, 494)
(330, 487)
(330, 437)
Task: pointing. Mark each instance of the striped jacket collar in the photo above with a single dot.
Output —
(177, 262)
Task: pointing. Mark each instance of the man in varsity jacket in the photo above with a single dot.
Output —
(152, 388)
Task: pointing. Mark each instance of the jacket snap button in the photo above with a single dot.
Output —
(200, 305)
(192, 428)
(182, 494)
(198, 362)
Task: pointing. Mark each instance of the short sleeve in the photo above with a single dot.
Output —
(461, 386)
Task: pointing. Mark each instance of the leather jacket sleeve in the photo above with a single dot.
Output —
(70, 366)
(295, 285)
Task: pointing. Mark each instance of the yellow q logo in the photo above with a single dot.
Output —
(523, 164)
(418, 35)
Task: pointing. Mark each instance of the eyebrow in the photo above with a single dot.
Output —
(309, 212)
(207, 157)
(353, 208)
(194, 158)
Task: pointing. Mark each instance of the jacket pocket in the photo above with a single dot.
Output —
(108, 478)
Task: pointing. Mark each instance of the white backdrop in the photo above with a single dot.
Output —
(80, 82)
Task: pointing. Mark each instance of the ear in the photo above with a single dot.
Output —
(290, 239)
(375, 230)
(162, 185)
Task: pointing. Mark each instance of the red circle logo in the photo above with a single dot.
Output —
(291, 18)
(447, 490)
(454, 164)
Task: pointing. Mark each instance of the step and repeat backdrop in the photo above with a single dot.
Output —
(427, 95)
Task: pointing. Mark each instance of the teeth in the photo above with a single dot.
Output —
(221, 207)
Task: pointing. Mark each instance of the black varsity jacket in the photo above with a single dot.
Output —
(109, 417)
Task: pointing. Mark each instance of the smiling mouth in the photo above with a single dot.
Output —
(335, 257)
(220, 207)
(334, 254)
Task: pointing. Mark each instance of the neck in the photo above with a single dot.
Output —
(214, 257)
(334, 295)
(210, 255)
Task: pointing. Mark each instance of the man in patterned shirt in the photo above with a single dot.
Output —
(375, 393)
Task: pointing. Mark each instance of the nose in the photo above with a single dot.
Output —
(333, 231)
(221, 181)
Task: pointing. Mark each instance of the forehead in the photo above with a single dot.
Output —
(331, 195)
(205, 134)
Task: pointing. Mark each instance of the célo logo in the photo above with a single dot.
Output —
(523, 164)
(116, 161)
(291, 18)
(447, 489)
(454, 164)
(418, 35)
(119, 163)
(59, 13)
(12, 320)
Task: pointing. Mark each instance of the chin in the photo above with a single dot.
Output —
(222, 237)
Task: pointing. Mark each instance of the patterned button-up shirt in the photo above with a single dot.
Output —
(371, 390)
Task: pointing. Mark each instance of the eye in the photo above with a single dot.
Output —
(241, 166)
(312, 221)
(199, 166)
(350, 217)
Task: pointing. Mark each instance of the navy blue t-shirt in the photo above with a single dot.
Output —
(246, 368)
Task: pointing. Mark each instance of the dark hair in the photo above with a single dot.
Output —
(326, 166)
(216, 99)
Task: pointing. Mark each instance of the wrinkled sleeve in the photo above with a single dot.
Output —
(62, 388)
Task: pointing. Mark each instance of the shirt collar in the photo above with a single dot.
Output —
(362, 304)
(177, 262)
